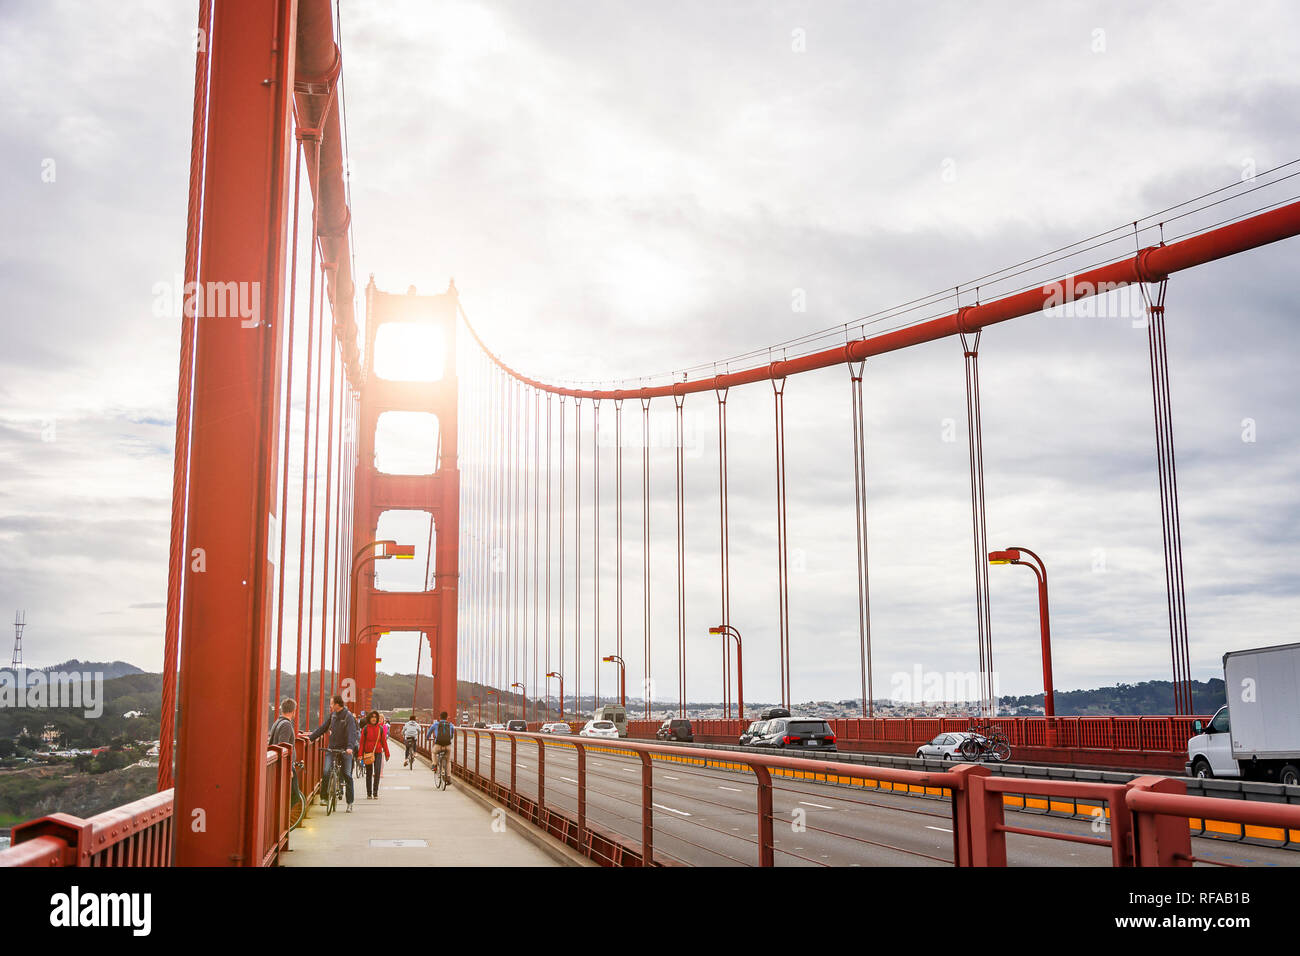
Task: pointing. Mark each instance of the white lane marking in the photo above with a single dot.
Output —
(570, 779)
(941, 829)
(671, 810)
(669, 776)
(819, 806)
(732, 789)
(629, 770)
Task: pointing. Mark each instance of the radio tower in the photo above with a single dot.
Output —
(20, 621)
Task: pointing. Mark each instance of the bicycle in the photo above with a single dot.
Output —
(333, 785)
(409, 762)
(297, 808)
(986, 741)
(442, 780)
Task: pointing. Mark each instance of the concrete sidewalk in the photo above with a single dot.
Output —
(413, 824)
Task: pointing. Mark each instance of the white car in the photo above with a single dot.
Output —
(945, 746)
(556, 727)
(496, 726)
(599, 728)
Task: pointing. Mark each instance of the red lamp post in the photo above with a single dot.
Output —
(523, 701)
(387, 549)
(493, 693)
(560, 676)
(622, 677)
(476, 697)
(1035, 564)
(725, 630)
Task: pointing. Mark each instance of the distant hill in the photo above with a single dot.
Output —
(110, 669)
(1148, 697)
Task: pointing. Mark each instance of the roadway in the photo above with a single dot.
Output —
(707, 816)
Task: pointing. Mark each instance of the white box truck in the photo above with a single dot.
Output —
(1256, 735)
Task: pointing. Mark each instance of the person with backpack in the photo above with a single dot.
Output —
(374, 749)
(441, 732)
(411, 733)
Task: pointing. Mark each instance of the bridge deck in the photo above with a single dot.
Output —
(456, 828)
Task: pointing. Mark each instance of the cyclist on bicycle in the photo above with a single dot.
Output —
(411, 733)
(442, 732)
(345, 735)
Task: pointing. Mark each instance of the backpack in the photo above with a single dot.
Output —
(443, 734)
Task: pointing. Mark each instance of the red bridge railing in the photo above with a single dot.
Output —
(140, 833)
(1157, 733)
(1147, 819)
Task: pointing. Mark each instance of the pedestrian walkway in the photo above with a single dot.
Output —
(413, 824)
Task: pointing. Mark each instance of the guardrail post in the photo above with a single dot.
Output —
(73, 832)
(492, 763)
(541, 779)
(765, 840)
(1160, 839)
(478, 749)
(513, 794)
(582, 792)
(647, 811)
(976, 818)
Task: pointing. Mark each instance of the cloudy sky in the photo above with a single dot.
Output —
(624, 189)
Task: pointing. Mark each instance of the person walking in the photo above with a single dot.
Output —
(344, 735)
(374, 749)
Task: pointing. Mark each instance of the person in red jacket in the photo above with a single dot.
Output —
(374, 751)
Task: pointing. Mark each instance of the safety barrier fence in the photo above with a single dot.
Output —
(140, 833)
(609, 800)
(1159, 733)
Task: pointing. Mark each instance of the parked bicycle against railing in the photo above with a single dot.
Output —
(298, 802)
(984, 742)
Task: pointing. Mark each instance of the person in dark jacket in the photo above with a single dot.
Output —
(374, 743)
(285, 731)
(345, 735)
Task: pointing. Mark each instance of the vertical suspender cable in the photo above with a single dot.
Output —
(577, 557)
(309, 136)
(618, 528)
(560, 632)
(549, 560)
(975, 433)
(679, 401)
(537, 515)
(178, 558)
(315, 488)
(782, 543)
(329, 489)
(860, 503)
(647, 683)
(1170, 525)
(595, 564)
(724, 550)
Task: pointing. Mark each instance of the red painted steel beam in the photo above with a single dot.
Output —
(228, 593)
(1149, 265)
(317, 97)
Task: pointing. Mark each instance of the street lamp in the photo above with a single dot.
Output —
(523, 706)
(622, 677)
(387, 549)
(497, 695)
(1017, 556)
(724, 630)
(560, 676)
(476, 697)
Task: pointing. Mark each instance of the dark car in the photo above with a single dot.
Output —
(675, 728)
(773, 712)
(753, 732)
(517, 726)
(798, 733)
(480, 725)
